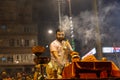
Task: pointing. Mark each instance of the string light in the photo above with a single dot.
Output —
(71, 26)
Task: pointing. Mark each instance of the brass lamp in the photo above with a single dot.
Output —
(40, 60)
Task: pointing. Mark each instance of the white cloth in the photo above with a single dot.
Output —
(63, 50)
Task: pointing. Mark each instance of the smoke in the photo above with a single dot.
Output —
(85, 24)
(109, 20)
(65, 23)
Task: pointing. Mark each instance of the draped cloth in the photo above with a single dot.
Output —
(70, 70)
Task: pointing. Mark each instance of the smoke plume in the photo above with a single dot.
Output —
(85, 25)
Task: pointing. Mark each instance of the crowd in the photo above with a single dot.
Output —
(17, 76)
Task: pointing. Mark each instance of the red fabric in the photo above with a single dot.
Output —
(88, 75)
(103, 74)
(69, 72)
(116, 73)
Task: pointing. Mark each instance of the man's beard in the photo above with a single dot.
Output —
(60, 39)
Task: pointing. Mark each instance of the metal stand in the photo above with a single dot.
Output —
(42, 61)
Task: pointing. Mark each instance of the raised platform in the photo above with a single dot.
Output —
(90, 70)
(111, 78)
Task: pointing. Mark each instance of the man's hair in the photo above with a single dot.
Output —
(58, 30)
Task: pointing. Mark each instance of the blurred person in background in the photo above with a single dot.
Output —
(19, 76)
(4, 75)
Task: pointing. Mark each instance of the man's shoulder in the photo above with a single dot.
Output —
(55, 41)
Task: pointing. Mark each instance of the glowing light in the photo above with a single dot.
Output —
(50, 31)
(72, 36)
(46, 46)
(17, 61)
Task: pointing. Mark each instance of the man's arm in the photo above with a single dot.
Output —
(55, 54)
(69, 46)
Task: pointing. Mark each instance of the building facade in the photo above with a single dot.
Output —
(18, 34)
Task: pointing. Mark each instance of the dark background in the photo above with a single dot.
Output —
(45, 14)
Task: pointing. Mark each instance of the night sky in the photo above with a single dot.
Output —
(46, 14)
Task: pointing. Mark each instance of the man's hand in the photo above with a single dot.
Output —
(60, 63)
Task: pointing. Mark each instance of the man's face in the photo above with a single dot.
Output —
(60, 36)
